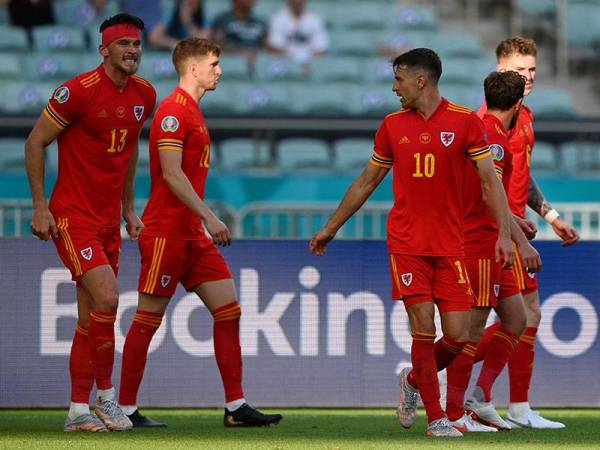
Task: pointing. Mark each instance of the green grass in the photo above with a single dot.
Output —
(300, 429)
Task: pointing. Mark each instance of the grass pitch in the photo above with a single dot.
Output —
(300, 429)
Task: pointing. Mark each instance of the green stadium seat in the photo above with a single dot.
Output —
(376, 100)
(223, 100)
(295, 154)
(466, 71)
(377, 70)
(76, 13)
(4, 19)
(397, 42)
(336, 68)
(358, 43)
(270, 99)
(352, 154)
(10, 66)
(544, 158)
(55, 66)
(468, 96)
(582, 24)
(316, 99)
(415, 17)
(12, 153)
(545, 8)
(13, 38)
(355, 15)
(143, 163)
(459, 45)
(25, 97)
(157, 66)
(58, 38)
(235, 67)
(554, 103)
(277, 68)
(264, 9)
(580, 157)
(242, 154)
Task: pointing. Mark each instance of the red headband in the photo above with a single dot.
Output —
(114, 32)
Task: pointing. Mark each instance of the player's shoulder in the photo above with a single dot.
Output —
(527, 112)
(143, 83)
(87, 80)
(174, 103)
(459, 109)
(401, 114)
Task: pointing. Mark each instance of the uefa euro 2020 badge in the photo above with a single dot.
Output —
(61, 95)
(497, 152)
(170, 123)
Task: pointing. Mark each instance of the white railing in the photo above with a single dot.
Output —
(264, 220)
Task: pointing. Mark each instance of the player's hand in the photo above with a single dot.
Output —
(43, 225)
(566, 232)
(530, 257)
(133, 225)
(218, 230)
(318, 243)
(505, 252)
(527, 226)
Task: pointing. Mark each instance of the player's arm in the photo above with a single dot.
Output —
(356, 195)
(179, 183)
(540, 205)
(495, 199)
(43, 133)
(133, 224)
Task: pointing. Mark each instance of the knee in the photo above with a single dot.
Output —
(458, 335)
(534, 315)
(475, 334)
(106, 300)
(516, 325)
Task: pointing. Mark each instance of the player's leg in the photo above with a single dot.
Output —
(81, 372)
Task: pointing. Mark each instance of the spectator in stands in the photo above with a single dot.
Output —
(30, 13)
(187, 20)
(298, 32)
(238, 30)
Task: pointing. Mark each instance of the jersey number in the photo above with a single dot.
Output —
(461, 272)
(427, 168)
(118, 139)
(205, 161)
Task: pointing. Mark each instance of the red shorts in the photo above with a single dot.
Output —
(418, 279)
(508, 284)
(82, 246)
(166, 262)
(526, 281)
(490, 282)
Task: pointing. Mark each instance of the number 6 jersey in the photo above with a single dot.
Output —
(100, 129)
(428, 157)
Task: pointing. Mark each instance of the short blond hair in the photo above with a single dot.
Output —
(191, 47)
(516, 45)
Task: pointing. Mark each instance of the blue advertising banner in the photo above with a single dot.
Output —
(315, 331)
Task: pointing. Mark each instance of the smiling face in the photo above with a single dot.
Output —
(524, 65)
(408, 85)
(124, 54)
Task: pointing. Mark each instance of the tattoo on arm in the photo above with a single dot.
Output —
(536, 200)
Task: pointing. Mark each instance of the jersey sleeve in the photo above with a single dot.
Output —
(66, 104)
(382, 150)
(498, 151)
(477, 146)
(171, 127)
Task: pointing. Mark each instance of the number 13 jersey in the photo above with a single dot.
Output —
(428, 158)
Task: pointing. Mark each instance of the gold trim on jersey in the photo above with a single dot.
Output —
(63, 229)
(55, 118)
(479, 152)
(397, 112)
(91, 80)
(483, 295)
(518, 268)
(395, 272)
(378, 160)
(179, 98)
(157, 253)
(140, 80)
(459, 108)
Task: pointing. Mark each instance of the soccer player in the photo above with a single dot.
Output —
(519, 54)
(428, 144)
(174, 246)
(493, 286)
(96, 117)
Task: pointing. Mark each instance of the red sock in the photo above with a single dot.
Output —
(135, 354)
(501, 347)
(226, 333)
(445, 350)
(425, 373)
(80, 367)
(484, 344)
(101, 336)
(520, 366)
(459, 374)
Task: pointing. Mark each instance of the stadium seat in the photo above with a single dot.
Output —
(414, 17)
(376, 100)
(550, 102)
(582, 24)
(544, 158)
(58, 37)
(469, 72)
(546, 8)
(13, 38)
(303, 154)
(377, 70)
(4, 19)
(224, 100)
(356, 15)
(336, 68)
(277, 68)
(235, 67)
(12, 153)
(352, 154)
(74, 13)
(468, 96)
(267, 99)
(157, 66)
(395, 42)
(242, 153)
(580, 157)
(25, 97)
(317, 99)
(460, 45)
(143, 163)
(10, 66)
(359, 43)
(56, 66)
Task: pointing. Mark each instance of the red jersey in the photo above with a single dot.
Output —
(100, 133)
(481, 230)
(178, 125)
(428, 157)
(521, 139)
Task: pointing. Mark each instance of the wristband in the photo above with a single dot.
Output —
(551, 215)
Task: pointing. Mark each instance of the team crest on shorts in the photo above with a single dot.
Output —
(165, 280)
(170, 123)
(447, 138)
(496, 290)
(61, 95)
(87, 253)
(497, 152)
(407, 278)
(531, 275)
(138, 112)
